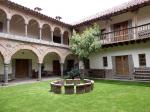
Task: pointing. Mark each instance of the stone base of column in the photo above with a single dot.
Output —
(4, 84)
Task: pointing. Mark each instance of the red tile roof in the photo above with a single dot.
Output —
(128, 6)
(32, 12)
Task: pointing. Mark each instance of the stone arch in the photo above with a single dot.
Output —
(3, 10)
(19, 14)
(3, 20)
(52, 51)
(4, 53)
(70, 61)
(65, 56)
(33, 28)
(27, 47)
(57, 35)
(46, 32)
(66, 37)
(17, 24)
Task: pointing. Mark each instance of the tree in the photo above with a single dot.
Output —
(86, 43)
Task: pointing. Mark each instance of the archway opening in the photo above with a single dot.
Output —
(33, 29)
(66, 38)
(24, 64)
(51, 65)
(17, 25)
(71, 62)
(3, 21)
(57, 35)
(46, 32)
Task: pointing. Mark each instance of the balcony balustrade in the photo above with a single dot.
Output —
(129, 34)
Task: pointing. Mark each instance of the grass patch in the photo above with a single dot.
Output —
(107, 96)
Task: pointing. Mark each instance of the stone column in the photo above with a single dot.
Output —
(8, 25)
(26, 30)
(39, 71)
(62, 69)
(6, 73)
(52, 36)
(40, 33)
(62, 40)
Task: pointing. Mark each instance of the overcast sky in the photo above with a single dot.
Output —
(70, 10)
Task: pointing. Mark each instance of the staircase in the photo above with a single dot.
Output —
(142, 74)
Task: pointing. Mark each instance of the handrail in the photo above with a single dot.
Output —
(132, 33)
(126, 29)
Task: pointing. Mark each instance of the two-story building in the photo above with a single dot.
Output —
(125, 33)
(33, 45)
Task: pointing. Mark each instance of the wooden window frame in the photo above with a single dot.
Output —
(105, 61)
(142, 60)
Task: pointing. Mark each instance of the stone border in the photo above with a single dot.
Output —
(72, 86)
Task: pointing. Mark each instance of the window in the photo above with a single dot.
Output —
(105, 62)
(142, 60)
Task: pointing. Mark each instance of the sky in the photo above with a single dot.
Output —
(71, 11)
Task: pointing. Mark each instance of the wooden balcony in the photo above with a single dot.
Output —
(126, 36)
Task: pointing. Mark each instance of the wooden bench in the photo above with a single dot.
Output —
(69, 88)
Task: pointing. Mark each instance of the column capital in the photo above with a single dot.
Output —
(6, 64)
(8, 19)
(62, 63)
(51, 30)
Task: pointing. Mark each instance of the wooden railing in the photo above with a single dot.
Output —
(133, 33)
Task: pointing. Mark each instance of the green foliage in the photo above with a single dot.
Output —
(86, 43)
(73, 73)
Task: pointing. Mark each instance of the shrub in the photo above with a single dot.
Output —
(73, 73)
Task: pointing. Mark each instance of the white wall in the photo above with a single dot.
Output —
(144, 15)
(48, 61)
(96, 61)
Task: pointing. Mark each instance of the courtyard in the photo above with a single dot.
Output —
(107, 96)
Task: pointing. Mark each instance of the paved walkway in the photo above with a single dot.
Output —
(27, 81)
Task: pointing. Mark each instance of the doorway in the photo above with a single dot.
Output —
(22, 68)
(56, 67)
(122, 66)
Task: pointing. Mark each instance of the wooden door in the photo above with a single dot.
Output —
(56, 67)
(1, 27)
(121, 32)
(22, 68)
(122, 65)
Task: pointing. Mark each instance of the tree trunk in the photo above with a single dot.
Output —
(82, 68)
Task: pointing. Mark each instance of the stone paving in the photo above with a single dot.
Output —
(27, 81)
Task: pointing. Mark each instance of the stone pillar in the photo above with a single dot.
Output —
(39, 71)
(8, 25)
(62, 40)
(6, 73)
(40, 33)
(52, 36)
(62, 69)
(26, 30)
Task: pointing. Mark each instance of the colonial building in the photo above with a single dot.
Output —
(33, 45)
(125, 41)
